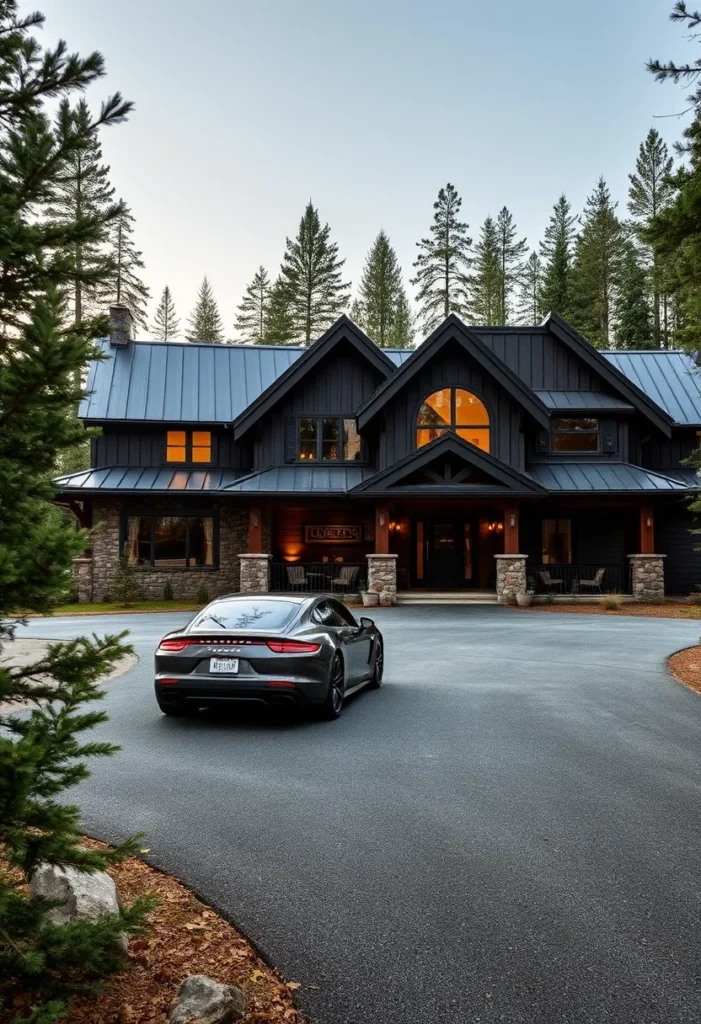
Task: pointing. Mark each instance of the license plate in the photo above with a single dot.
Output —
(230, 665)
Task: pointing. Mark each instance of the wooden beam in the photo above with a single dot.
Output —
(647, 530)
(255, 530)
(511, 538)
(381, 529)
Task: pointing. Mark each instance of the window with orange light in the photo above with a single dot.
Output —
(453, 409)
(189, 446)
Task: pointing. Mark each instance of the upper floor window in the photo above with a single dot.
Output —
(189, 446)
(575, 434)
(328, 439)
(457, 410)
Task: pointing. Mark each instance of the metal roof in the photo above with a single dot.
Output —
(121, 478)
(302, 480)
(671, 379)
(583, 401)
(597, 477)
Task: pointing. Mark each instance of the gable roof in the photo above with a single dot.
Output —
(453, 329)
(609, 477)
(389, 481)
(343, 330)
(670, 378)
(609, 372)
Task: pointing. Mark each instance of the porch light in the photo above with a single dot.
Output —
(394, 527)
(512, 520)
(648, 522)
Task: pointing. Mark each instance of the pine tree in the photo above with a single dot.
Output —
(557, 256)
(166, 324)
(205, 324)
(634, 324)
(124, 286)
(530, 288)
(485, 284)
(311, 274)
(251, 320)
(443, 263)
(280, 326)
(401, 333)
(382, 297)
(599, 254)
(511, 256)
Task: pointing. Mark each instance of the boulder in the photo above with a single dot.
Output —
(203, 1001)
(83, 895)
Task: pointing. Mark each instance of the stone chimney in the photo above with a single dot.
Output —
(122, 324)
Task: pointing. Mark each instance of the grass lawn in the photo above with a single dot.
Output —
(109, 608)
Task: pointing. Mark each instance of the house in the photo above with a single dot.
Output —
(484, 458)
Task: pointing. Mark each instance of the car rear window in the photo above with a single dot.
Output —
(262, 614)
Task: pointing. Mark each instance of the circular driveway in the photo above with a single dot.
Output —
(509, 830)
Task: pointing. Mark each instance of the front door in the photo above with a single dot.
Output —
(445, 554)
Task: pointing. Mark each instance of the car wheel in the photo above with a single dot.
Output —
(175, 710)
(378, 668)
(333, 702)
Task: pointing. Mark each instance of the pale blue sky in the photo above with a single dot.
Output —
(244, 110)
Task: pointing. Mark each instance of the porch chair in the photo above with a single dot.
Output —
(595, 583)
(548, 582)
(296, 577)
(346, 578)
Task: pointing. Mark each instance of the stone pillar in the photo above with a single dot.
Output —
(382, 577)
(647, 577)
(82, 578)
(511, 577)
(255, 573)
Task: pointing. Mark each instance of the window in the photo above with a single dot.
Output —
(457, 410)
(189, 446)
(557, 541)
(575, 435)
(329, 439)
(328, 613)
(170, 541)
(261, 613)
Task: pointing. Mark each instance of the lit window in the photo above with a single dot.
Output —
(557, 541)
(175, 446)
(328, 439)
(575, 435)
(189, 446)
(201, 446)
(457, 410)
(308, 432)
(170, 541)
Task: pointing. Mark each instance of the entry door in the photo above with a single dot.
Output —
(449, 554)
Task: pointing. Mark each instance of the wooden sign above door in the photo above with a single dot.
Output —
(332, 534)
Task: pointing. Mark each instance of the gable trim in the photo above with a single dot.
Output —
(342, 330)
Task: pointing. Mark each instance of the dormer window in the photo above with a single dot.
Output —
(328, 439)
(575, 434)
(189, 446)
(457, 410)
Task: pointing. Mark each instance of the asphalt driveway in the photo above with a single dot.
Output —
(509, 830)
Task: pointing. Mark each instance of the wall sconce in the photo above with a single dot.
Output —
(395, 527)
(648, 521)
(495, 527)
(512, 520)
(382, 519)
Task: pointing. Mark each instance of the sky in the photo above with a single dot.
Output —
(246, 109)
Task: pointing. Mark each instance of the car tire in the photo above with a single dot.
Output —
(333, 701)
(378, 667)
(175, 710)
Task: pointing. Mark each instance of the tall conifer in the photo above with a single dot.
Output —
(485, 284)
(599, 254)
(443, 262)
(124, 284)
(634, 323)
(252, 316)
(279, 325)
(205, 324)
(556, 251)
(530, 287)
(166, 323)
(382, 308)
(511, 256)
(311, 273)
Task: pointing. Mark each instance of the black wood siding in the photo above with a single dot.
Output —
(667, 453)
(131, 445)
(682, 566)
(541, 361)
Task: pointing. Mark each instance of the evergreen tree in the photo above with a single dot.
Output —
(485, 284)
(166, 324)
(530, 289)
(382, 298)
(556, 254)
(311, 274)
(205, 323)
(599, 254)
(650, 192)
(83, 190)
(511, 256)
(280, 326)
(634, 323)
(124, 285)
(251, 320)
(443, 263)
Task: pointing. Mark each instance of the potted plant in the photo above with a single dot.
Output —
(525, 600)
(370, 598)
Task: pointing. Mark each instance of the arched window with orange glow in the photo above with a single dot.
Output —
(457, 410)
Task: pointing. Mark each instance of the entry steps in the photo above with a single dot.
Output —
(446, 597)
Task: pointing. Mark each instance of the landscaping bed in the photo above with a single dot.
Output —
(665, 610)
(685, 666)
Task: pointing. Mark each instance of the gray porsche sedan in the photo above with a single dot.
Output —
(301, 649)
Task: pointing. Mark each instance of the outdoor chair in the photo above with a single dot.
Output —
(296, 577)
(548, 582)
(346, 578)
(595, 583)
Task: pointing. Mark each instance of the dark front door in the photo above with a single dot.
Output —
(448, 554)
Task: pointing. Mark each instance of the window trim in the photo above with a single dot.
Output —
(554, 431)
(161, 513)
(188, 461)
(319, 419)
(491, 426)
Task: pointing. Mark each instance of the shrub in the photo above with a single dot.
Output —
(694, 598)
(125, 588)
(202, 595)
(550, 597)
(168, 592)
(611, 602)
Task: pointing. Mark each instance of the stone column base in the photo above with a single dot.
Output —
(255, 573)
(82, 578)
(647, 577)
(382, 577)
(511, 577)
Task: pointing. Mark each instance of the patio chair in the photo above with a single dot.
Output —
(548, 582)
(346, 578)
(595, 583)
(296, 577)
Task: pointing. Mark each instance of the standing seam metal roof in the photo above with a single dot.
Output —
(601, 476)
(669, 378)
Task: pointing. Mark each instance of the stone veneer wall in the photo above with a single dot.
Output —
(647, 577)
(255, 573)
(233, 539)
(511, 577)
(382, 577)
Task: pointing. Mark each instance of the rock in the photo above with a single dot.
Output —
(203, 1001)
(84, 895)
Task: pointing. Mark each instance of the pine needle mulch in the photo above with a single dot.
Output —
(685, 666)
(670, 610)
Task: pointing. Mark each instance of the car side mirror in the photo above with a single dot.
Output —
(366, 623)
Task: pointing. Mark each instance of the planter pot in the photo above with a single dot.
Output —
(524, 600)
(370, 599)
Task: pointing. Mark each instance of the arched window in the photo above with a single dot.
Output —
(457, 410)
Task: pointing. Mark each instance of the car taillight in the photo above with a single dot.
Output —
(174, 645)
(292, 647)
(281, 684)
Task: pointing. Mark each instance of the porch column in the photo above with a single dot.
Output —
(381, 529)
(382, 577)
(255, 530)
(647, 530)
(255, 573)
(511, 577)
(647, 568)
(511, 541)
